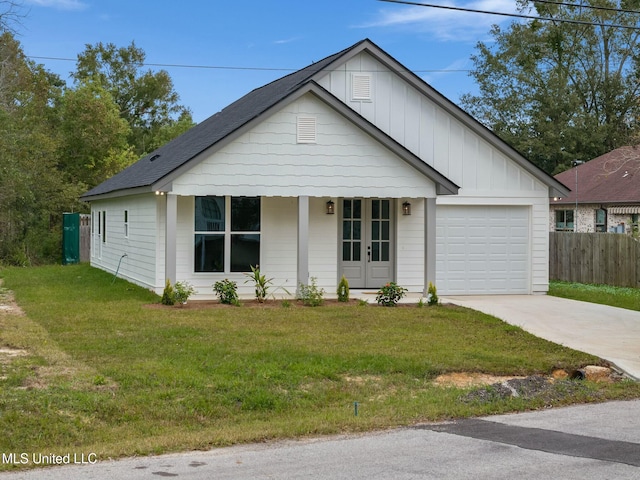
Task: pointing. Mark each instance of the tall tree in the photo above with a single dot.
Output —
(32, 191)
(93, 143)
(147, 100)
(559, 91)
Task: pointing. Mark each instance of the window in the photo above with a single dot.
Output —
(564, 220)
(104, 227)
(227, 234)
(601, 220)
(351, 229)
(634, 224)
(126, 223)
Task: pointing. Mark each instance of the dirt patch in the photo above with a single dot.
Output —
(559, 385)
(215, 304)
(8, 305)
(461, 379)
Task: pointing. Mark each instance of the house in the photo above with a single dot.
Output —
(351, 166)
(605, 195)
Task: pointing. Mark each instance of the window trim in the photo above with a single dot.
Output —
(603, 224)
(565, 228)
(227, 233)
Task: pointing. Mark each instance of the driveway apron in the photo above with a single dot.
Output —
(610, 333)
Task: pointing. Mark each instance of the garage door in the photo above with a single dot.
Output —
(482, 250)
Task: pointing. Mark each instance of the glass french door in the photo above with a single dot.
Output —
(367, 241)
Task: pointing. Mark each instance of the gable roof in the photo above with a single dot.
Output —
(610, 178)
(156, 169)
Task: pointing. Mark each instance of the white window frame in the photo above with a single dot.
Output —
(227, 233)
(126, 224)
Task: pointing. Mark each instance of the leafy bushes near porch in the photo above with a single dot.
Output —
(390, 294)
(311, 295)
(227, 291)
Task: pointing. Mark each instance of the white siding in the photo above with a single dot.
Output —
(139, 264)
(268, 161)
(279, 254)
(410, 248)
(323, 245)
(486, 175)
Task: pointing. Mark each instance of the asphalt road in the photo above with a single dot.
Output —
(598, 441)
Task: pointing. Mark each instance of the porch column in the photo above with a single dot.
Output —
(303, 241)
(170, 237)
(429, 242)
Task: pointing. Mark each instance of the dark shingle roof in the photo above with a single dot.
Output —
(610, 178)
(161, 162)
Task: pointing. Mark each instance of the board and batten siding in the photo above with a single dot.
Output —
(486, 175)
(268, 161)
(140, 246)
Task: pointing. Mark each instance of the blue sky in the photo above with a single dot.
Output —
(262, 40)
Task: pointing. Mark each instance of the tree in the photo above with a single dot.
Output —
(32, 191)
(93, 143)
(10, 14)
(559, 91)
(147, 100)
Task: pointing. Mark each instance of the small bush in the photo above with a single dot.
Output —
(182, 292)
(227, 291)
(432, 295)
(343, 290)
(168, 295)
(310, 294)
(389, 295)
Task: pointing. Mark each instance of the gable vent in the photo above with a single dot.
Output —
(306, 130)
(361, 86)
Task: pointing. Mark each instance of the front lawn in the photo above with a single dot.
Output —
(95, 369)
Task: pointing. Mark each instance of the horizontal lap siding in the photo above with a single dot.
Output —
(278, 245)
(410, 246)
(323, 245)
(139, 265)
(279, 254)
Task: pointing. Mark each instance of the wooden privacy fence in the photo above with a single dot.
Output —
(600, 258)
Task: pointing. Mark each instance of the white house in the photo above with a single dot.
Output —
(352, 165)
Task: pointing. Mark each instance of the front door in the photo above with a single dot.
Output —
(367, 241)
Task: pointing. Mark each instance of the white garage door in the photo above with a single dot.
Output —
(482, 250)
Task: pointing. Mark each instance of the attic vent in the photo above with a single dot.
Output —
(306, 130)
(361, 86)
(154, 158)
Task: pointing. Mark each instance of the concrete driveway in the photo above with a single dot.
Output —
(610, 333)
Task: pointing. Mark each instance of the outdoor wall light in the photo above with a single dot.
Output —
(406, 208)
(331, 207)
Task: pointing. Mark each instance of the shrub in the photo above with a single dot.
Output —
(389, 295)
(182, 292)
(168, 295)
(227, 291)
(310, 294)
(432, 295)
(343, 290)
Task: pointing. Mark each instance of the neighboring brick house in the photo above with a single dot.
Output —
(608, 195)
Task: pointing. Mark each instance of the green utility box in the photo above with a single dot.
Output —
(70, 238)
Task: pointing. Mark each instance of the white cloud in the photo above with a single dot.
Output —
(446, 24)
(59, 4)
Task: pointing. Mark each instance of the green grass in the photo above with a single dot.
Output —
(105, 373)
(622, 297)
